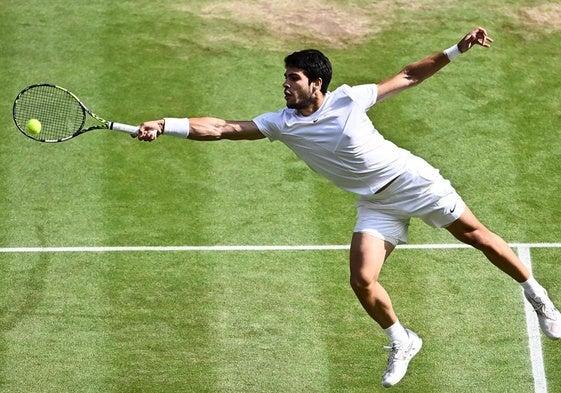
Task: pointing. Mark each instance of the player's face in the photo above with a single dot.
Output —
(298, 92)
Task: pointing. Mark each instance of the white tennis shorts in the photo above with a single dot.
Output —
(421, 192)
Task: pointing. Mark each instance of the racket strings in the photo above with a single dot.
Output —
(59, 112)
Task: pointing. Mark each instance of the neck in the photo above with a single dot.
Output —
(314, 105)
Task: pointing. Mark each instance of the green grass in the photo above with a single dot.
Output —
(263, 321)
(252, 321)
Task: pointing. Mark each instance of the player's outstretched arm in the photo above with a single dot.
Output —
(200, 128)
(419, 71)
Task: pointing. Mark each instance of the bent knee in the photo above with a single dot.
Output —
(361, 282)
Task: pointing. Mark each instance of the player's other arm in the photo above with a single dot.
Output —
(204, 129)
(417, 72)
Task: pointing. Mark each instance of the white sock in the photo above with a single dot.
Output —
(532, 287)
(397, 333)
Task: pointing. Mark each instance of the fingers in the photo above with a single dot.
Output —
(477, 36)
(481, 37)
(148, 131)
(146, 135)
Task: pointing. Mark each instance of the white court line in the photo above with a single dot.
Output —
(171, 248)
(244, 248)
(534, 335)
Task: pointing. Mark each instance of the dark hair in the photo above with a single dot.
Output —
(314, 64)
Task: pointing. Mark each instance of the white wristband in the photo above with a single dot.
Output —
(178, 127)
(452, 52)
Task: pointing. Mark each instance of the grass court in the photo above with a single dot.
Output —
(220, 317)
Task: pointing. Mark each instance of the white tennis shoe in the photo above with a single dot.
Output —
(400, 356)
(548, 316)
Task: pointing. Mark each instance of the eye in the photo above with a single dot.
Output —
(292, 77)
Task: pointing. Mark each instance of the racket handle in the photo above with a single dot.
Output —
(129, 129)
(123, 128)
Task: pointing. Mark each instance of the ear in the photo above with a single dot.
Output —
(316, 84)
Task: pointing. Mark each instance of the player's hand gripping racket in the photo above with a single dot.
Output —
(61, 114)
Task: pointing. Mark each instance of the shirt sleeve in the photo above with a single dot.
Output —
(268, 125)
(365, 95)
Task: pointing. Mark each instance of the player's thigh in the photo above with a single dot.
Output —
(468, 229)
(367, 255)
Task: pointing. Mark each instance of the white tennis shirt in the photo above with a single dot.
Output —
(339, 140)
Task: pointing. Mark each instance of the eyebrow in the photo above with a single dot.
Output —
(291, 74)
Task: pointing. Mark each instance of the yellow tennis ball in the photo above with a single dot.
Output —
(33, 126)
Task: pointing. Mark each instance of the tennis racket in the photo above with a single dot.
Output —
(61, 114)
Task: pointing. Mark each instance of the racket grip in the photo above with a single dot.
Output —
(132, 130)
(123, 128)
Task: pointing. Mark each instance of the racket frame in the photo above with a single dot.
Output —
(103, 124)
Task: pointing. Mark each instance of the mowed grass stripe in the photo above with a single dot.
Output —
(159, 335)
(267, 323)
(54, 316)
(54, 325)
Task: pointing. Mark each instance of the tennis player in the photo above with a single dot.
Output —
(332, 133)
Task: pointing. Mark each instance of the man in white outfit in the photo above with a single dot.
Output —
(333, 134)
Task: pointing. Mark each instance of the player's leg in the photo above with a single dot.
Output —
(469, 230)
(367, 256)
